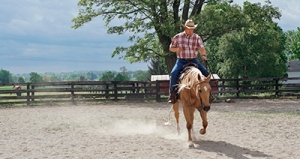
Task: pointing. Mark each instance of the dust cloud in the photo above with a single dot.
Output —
(138, 127)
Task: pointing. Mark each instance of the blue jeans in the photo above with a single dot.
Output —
(178, 67)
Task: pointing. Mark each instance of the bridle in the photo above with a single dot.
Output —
(205, 108)
(199, 89)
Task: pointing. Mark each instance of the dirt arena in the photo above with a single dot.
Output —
(246, 129)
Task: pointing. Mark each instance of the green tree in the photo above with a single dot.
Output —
(46, 78)
(35, 77)
(75, 76)
(107, 76)
(157, 67)
(82, 78)
(21, 79)
(293, 44)
(121, 77)
(91, 76)
(5, 77)
(143, 76)
(153, 23)
(69, 78)
(255, 51)
(54, 78)
(123, 69)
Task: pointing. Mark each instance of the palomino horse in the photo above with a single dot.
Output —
(194, 93)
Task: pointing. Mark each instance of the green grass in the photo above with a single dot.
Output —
(5, 87)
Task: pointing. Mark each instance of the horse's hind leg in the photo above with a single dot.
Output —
(176, 114)
(175, 108)
(169, 117)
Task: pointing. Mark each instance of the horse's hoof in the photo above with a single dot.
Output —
(196, 145)
(167, 123)
(202, 131)
(178, 132)
(191, 144)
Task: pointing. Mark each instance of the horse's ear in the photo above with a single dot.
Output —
(199, 77)
(208, 78)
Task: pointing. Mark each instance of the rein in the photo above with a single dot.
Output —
(208, 68)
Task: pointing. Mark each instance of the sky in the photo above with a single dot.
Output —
(36, 36)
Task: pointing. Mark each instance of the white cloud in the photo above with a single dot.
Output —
(290, 14)
(38, 18)
(290, 11)
(44, 17)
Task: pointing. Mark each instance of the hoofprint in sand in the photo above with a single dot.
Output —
(245, 129)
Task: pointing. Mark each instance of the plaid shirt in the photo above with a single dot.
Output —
(189, 45)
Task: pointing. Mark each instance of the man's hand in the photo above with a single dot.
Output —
(178, 50)
(175, 49)
(203, 57)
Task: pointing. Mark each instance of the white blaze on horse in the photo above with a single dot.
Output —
(194, 93)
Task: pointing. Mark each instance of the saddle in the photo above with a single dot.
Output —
(185, 68)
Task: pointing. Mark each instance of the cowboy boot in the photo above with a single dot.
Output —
(172, 98)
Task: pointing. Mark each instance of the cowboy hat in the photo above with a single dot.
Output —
(189, 24)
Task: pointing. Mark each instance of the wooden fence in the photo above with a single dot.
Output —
(257, 87)
(98, 91)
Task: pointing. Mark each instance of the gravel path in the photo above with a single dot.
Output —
(246, 129)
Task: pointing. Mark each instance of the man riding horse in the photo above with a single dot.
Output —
(186, 45)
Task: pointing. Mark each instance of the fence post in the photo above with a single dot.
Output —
(137, 87)
(115, 91)
(28, 94)
(238, 88)
(72, 92)
(223, 87)
(133, 86)
(32, 93)
(276, 86)
(157, 91)
(106, 91)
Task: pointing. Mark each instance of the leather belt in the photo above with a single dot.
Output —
(189, 59)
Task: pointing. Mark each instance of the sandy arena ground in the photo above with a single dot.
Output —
(246, 129)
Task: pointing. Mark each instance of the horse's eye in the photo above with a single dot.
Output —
(199, 90)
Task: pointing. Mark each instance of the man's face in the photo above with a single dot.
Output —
(188, 31)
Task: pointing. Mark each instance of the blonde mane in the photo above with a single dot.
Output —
(190, 78)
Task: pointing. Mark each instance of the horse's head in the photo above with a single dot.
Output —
(204, 90)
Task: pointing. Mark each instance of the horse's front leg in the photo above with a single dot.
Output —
(175, 109)
(203, 115)
(169, 117)
(204, 121)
